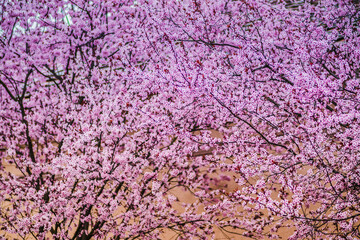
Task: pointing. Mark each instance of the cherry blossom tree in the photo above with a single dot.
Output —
(109, 109)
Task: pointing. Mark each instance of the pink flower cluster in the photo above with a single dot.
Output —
(111, 110)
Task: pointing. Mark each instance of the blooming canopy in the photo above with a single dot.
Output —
(109, 108)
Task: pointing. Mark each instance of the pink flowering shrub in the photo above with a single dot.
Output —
(107, 107)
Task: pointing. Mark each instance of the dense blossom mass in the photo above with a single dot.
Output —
(110, 110)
